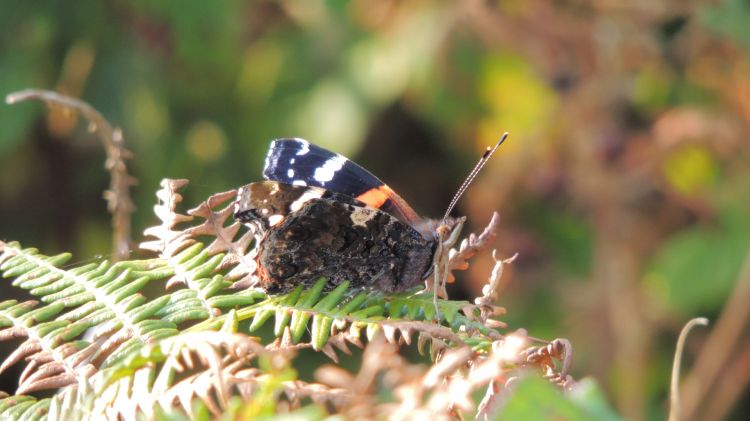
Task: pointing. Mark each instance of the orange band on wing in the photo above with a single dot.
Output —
(375, 197)
(388, 201)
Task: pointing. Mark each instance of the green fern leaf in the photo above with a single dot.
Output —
(231, 323)
(260, 318)
(300, 317)
(283, 316)
(321, 331)
(23, 407)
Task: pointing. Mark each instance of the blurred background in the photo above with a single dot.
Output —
(624, 186)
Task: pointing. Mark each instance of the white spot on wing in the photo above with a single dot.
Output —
(291, 161)
(275, 219)
(329, 168)
(298, 183)
(290, 173)
(306, 197)
(241, 203)
(305, 147)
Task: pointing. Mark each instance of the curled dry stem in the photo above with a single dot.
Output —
(458, 259)
(447, 258)
(487, 303)
(117, 196)
(674, 390)
(544, 357)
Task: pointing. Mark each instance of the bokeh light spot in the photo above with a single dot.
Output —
(690, 169)
(206, 141)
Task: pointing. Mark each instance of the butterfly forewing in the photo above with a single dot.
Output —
(298, 162)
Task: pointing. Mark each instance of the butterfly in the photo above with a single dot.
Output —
(319, 214)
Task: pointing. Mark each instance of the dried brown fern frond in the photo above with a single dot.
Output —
(235, 253)
(169, 240)
(447, 389)
(447, 258)
(208, 366)
(117, 196)
(443, 391)
(487, 302)
(458, 259)
(554, 359)
(380, 360)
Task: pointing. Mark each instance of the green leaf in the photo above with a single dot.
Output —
(312, 295)
(43, 313)
(728, 18)
(147, 310)
(260, 318)
(283, 315)
(235, 300)
(534, 398)
(354, 303)
(216, 284)
(190, 313)
(230, 322)
(298, 324)
(12, 401)
(368, 311)
(16, 410)
(333, 297)
(36, 411)
(696, 268)
(321, 331)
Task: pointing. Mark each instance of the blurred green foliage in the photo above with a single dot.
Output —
(696, 269)
(624, 185)
(536, 399)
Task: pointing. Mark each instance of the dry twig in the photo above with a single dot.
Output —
(458, 259)
(487, 303)
(674, 401)
(118, 195)
(719, 346)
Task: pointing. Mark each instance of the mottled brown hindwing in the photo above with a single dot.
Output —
(340, 241)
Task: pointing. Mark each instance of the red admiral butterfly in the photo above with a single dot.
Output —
(321, 215)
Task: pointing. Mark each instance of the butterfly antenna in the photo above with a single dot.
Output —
(473, 174)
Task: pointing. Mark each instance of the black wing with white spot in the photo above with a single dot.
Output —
(299, 162)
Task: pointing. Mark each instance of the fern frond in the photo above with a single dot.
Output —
(324, 321)
(53, 357)
(114, 351)
(237, 253)
(294, 314)
(106, 296)
(469, 247)
(207, 366)
(234, 253)
(118, 198)
(23, 408)
(168, 240)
